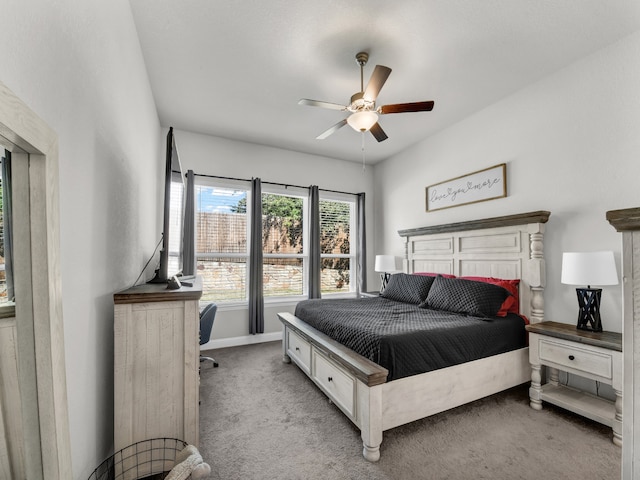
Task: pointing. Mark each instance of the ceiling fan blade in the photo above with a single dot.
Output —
(332, 129)
(378, 77)
(406, 107)
(318, 103)
(377, 132)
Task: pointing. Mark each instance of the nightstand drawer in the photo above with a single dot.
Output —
(576, 358)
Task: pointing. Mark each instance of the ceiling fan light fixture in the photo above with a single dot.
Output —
(362, 121)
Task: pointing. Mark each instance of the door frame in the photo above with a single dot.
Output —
(39, 321)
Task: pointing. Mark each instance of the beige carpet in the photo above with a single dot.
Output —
(262, 419)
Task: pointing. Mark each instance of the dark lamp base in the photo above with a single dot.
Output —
(384, 279)
(589, 309)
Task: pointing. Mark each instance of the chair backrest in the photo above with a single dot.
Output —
(207, 316)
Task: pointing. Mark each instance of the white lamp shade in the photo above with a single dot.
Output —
(385, 263)
(589, 268)
(362, 121)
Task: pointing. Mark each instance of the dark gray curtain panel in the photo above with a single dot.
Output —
(188, 236)
(256, 297)
(7, 217)
(362, 244)
(315, 262)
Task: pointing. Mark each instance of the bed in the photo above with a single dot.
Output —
(376, 398)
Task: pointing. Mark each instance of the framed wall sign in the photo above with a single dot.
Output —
(473, 187)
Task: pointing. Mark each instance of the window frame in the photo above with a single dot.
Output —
(232, 184)
(353, 244)
(303, 193)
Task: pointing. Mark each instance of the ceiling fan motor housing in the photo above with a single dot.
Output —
(359, 103)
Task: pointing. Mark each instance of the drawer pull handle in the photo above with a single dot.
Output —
(571, 357)
(297, 349)
(330, 379)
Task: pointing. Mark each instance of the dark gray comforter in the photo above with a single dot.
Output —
(408, 340)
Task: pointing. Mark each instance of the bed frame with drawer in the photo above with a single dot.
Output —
(509, 247)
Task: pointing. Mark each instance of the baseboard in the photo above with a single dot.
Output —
(244, 340)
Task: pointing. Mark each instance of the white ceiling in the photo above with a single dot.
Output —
(237, 69)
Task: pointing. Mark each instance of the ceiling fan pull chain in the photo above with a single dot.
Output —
(363, 162)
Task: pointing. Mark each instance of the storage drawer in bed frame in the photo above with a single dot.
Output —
(334, 368)
(299, 350)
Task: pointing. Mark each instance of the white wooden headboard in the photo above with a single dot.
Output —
(627, 222)
(509, 247)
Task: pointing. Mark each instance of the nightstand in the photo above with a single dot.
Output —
(375, 293)
(593, 355)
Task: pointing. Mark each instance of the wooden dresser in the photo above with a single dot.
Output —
(156, 362)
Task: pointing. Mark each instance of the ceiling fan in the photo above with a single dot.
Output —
(364, 113)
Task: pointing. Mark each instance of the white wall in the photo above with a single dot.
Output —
(218, 156)
(78, 65)
(572, 147)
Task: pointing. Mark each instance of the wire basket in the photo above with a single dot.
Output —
(148, 459)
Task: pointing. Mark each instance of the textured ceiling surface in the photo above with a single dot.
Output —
(236, 69)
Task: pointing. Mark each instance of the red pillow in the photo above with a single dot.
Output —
(512, 303)
(430, 274)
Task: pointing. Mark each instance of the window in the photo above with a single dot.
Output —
(337, 220)
(6, 280)
(284, 258)
(3, 278)
(175, 227)
(221, 242)
(222, 233)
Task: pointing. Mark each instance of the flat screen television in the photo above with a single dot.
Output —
(170, 263)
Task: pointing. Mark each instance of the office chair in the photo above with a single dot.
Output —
(207, 316)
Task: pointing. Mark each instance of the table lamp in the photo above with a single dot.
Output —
(385, 265)
(589, 268)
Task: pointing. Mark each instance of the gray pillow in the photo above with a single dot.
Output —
(465, 296)
(407, 288)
